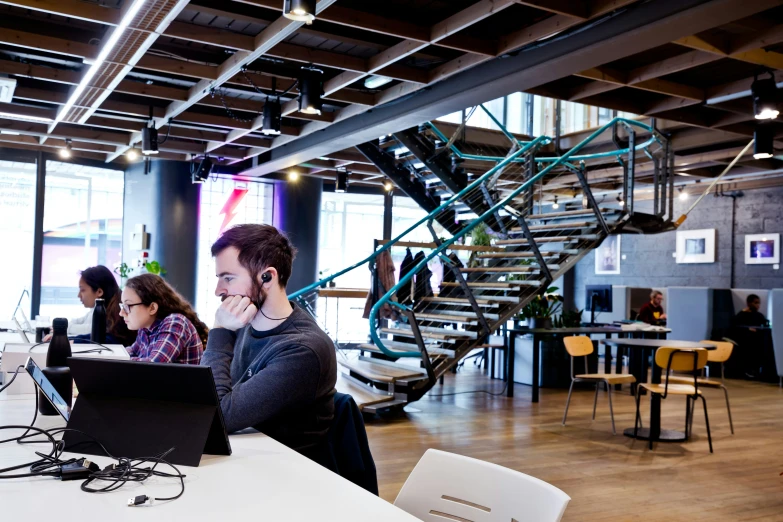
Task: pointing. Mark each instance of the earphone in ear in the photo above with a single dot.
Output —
(266, 277)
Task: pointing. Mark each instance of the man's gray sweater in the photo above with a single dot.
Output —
(280, 382)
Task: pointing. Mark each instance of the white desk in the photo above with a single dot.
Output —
(262, 480)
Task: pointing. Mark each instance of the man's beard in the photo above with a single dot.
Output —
(259, 294)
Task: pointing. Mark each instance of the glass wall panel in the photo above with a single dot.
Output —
(17, 228)
(82, 227)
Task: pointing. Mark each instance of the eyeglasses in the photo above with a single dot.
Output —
(127, 307)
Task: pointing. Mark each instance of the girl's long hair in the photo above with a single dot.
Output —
(101, 277)
(152, 288)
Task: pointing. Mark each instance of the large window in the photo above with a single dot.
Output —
(17, 224)
(225, 202)
(82, 228)
(349, 224)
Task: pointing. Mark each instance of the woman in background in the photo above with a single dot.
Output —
(98, 282)
(169, 331)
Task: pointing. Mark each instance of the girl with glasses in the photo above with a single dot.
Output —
(168, 328)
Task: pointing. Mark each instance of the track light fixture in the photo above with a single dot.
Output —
(764, 144)
(66, 152)
(341, 183)
(388, 186)
(132, 155)
(310, 91)
(149, 141)
(555, 205)
(765, 97)
(202, 172)
(683, 195)
(272, 115)
(620, 201)
(299, 10)
(293, 175)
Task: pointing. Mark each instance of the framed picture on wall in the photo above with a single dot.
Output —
(607, 256)
(696, 246)
(762, 249)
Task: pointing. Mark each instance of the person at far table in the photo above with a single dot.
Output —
(274, 368)
(169, 329)
(652, 311)
(98, 282)
(750, 316)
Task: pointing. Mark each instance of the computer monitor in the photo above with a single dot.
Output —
(598, 298)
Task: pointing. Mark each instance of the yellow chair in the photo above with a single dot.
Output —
(690, 360)
(720, 355)
(582, 346)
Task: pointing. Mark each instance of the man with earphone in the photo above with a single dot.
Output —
(274, 368)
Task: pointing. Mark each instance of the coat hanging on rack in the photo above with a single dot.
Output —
(423, 287)
(404, 294)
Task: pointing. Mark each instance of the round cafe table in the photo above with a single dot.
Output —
(640, 349)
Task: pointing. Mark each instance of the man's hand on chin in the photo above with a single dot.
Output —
(236, 312)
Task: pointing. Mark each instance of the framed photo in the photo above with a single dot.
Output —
(762, 249)
(607, 256)
(696, 246)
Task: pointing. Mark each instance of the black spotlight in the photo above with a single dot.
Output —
(299, 10)
(272, 113)
(202, 172)
(764, 144)
(310, 91)
(765, 98)
(149, 141)
(341, 183)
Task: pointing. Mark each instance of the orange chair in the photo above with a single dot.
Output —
(582, 346)
(720, 355)
(690, 360)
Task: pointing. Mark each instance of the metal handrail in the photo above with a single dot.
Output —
(541, 140)
(435, 252)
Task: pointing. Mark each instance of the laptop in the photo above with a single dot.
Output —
(139, 409)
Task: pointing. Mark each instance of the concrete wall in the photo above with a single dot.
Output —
(649, 262)
(167, 203)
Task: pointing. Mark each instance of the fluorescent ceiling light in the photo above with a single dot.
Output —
(130, 14)
(375, 82)
(10, 133)
(24, 117)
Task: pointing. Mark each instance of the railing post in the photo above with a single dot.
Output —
(631, 168)
(425, 357)
(580, 173)
(536, 252)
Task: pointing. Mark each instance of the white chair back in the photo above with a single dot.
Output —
(444, 486)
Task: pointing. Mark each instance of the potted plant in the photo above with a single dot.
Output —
(479, 236)
(568, 319)
(540, 310)
(154, 267)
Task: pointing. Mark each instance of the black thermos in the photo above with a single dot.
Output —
(57, 370)
(98, 333)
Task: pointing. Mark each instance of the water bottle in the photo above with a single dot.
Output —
(56, 370)
(98, 333)
(59, 346)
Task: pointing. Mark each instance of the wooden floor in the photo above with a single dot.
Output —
(609, 477)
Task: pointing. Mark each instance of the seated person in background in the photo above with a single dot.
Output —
(274, 368)
(751, 316)
(652, 312)
(169, 329)
(98, 282)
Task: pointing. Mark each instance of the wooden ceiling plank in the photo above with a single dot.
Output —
(50, 44)
(577, 9)
(672, 65)
(71, 8)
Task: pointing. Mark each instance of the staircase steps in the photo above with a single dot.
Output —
(430, 332)
(571, 225)
(517, 255)
(469, 315)
(511, 285)
(489, 301)
(443, 318)
(569, 214)
(406, 347)
(508, 269)
(375, 371)
(553, 239)
(361, 393)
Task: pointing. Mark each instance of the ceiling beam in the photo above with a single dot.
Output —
(562, 7)
(89, 12)
(640, 27)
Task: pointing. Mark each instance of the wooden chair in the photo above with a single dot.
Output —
(720, 355)
(582, 346)
(691, 360)
(444, 486)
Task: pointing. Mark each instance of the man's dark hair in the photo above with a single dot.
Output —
(260, 247)
(751, 298)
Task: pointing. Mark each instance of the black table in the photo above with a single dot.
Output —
(540, 333)
(642, 348)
